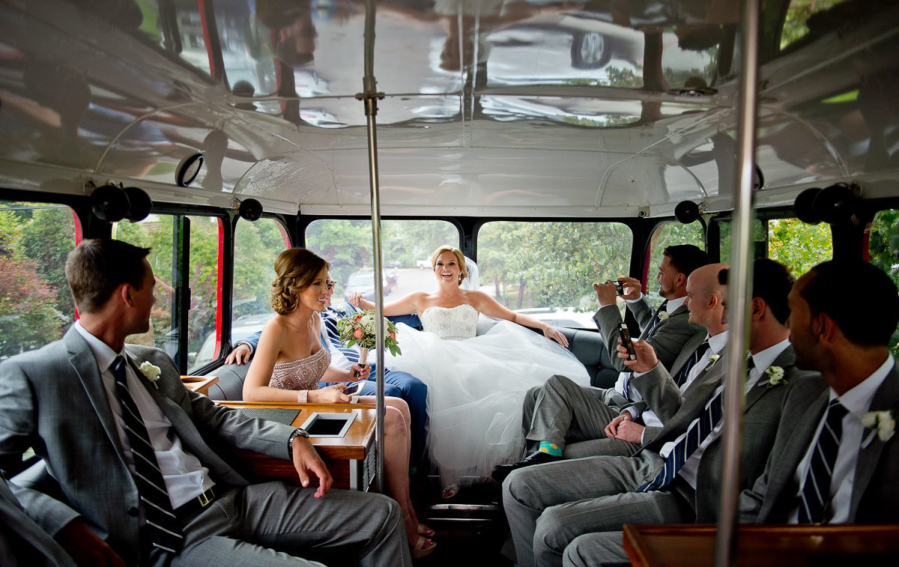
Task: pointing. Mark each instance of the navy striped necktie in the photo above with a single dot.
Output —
(696, 434)
(656, 320)
(815, 497)
(697, 355)
(165, 529)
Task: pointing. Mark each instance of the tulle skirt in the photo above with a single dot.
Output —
(476, 389)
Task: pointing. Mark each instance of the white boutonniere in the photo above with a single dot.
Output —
(151, 371)
(663, 315)
(882, 422)
(713, 359)
(775, 376)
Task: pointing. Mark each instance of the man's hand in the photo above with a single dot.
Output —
(646, 356)
(86, 547)
(633, 289)
(630, 431)
(611, 429)
(364, 371)
(240, 354)
(605, 293)
(306, 461)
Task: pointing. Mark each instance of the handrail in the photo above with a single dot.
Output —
(739, 288)
(369, 96)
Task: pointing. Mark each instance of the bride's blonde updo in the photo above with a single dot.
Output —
(295, 270)
(460, 259)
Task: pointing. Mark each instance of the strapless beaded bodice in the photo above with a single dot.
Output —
(302, 374)
(451, 323)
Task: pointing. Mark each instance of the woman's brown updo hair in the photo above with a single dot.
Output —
(295, 270)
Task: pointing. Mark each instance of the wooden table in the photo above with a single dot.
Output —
(199, 384)
(350, 459)
(694, 545)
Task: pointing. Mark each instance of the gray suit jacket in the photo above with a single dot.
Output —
(668, 337)
(53, 400)
(761, 416)
(659, 390)
(23, 542)
(875, 492)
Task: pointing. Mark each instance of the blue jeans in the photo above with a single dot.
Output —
(415, 393)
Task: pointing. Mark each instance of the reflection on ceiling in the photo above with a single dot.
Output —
(537, 107)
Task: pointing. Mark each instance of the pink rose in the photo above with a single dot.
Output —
(358, 333)
(393, 336)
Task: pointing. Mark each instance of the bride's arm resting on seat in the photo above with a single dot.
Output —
(406, 305)
(256, 389)
(492, 308)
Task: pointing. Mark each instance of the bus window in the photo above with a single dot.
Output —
(759, 237)
(665, 235)
(547, 269)
(36, 306)
(406, 247)
(256, 245)
(797, 245)
(883, 252)
(159, 232)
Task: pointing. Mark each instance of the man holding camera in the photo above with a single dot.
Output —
(561, 411)
(675, 478)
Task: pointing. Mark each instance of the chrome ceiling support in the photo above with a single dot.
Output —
(369, 97)
(739, 288)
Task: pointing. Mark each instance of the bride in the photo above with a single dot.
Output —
(476, 384)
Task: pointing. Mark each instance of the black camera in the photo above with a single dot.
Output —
(619, 287)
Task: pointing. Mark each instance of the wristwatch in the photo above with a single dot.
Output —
(298, 432)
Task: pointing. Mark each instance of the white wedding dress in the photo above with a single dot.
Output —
(476, 386)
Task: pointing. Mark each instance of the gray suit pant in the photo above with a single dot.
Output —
(276, 524)
(563, 412)
(552, 491)
(593, 550)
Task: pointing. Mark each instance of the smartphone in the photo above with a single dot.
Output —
(353, 388)
(619, 287)
(626, 341)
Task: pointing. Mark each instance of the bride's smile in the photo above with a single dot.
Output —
(447, 268)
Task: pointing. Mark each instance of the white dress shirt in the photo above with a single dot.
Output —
(185, 477)
(761, 361)
(857, 401)
(632, 394)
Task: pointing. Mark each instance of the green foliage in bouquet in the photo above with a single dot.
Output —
(360, 329)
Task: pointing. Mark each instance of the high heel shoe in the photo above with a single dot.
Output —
(423, 547)
(425, 531)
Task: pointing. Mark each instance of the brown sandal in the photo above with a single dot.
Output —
(423, 547)
(425, 531)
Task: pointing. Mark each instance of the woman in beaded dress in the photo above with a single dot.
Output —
(476, 383)
(290, 361)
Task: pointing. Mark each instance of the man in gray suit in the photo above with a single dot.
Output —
(561, 411)
(23, 542)
(602, 494)
(836, 455)
(773, 376)
(137, 455)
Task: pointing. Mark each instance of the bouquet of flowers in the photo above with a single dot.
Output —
(359, 329)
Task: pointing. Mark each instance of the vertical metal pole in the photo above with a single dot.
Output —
(370, 97)
(739, 299)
